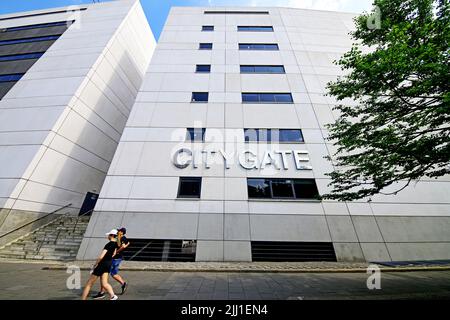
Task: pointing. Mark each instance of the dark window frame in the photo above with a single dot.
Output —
(199, 101)
(255, 28)
(208, 28)
(258, 47)
(43, 14)
(234, 12)
(39, 26)
(202, 65)
(186, 179)
(190, 134)
(292, 181)
(259, 69)
(263, 97)
(21, 56)
(28, 40)
(205, 46)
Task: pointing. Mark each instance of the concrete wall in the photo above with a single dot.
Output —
(140, 191)
(62, 121)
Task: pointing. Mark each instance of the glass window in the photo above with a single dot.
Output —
(24, 56)
(199, 97)
(261, 69)
(283, 98)
(189, 187)
(270, 47)
(255, 28)
(247, 69)
(273, 135)
(35, 39)
(251, 135)
(11, 77)
(282, 188)
(42, 25)
(204, 68)
(305, 189)
(289, 135)
(257, 46)
(266, 97)
(195, 134)
(205, 46)
(235, 12)
(258, 188)
(207, 28)
(250, 97)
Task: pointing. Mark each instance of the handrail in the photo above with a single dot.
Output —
(44, 240)
(31, 222)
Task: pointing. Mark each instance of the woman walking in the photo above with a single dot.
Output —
(102, 267)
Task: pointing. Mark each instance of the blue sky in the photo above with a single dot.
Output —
(157, 10)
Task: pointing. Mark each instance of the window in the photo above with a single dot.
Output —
(258, 188)
(199, 97)
(43, 14)
(236, 12)
(258, 46)
(262, 69)
(24, 56)
(11, 77)
(268, 188)
(205, 46)
(195, 134)
(203, 68)
(189, 187)
(273, 135)
(305, 189)
(289, 135)
(35, 39)
(207, 28)
(267, 98)
(42, 25)
(255, 28)
(282, 188)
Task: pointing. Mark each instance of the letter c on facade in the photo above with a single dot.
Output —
(176, 158)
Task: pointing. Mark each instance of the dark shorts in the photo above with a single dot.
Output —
(115, 266)
(103, 267)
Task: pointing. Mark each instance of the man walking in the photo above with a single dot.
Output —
(122, 244)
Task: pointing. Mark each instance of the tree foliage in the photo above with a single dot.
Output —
(398, 131)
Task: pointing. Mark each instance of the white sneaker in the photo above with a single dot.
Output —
(114, 297)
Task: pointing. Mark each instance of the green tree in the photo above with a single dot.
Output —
(399, 130)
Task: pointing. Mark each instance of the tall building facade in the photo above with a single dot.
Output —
(68, 79)
(222, 158)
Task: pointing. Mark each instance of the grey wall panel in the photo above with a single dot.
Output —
(40, 32)
(18, 66)
(415, 229)
(5, 87)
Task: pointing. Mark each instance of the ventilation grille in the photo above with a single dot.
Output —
(292, 251)
(160, 250)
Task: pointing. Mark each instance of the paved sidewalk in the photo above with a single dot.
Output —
(30, 281)
(283, 267)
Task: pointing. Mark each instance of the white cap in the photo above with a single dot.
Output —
(113, 232)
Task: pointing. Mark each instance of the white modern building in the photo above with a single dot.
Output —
(68, 80)
(222, 157)
(209, 147)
